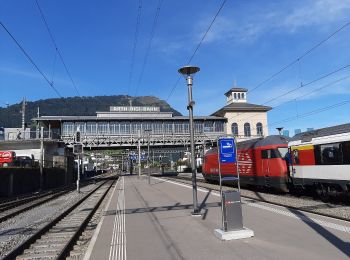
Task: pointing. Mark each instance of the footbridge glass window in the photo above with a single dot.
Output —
(114, 128)
(91, 128)
(80, 126)
(68, 128)
(259, 129)
(178, 127)
(247, 130)
(125, 128)
(168, 128)
(186, 128)
(219, 126)
(103, 127)
(157, 128)
(208, 126)
(198, 127)
(135, 127)
(234, 129)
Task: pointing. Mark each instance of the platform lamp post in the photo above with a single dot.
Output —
(188, 71)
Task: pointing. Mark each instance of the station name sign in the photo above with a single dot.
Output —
(134, 109)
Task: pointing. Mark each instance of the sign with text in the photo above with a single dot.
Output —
(227, 150)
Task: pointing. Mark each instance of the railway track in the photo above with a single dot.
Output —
(14, 207)
(341, 212)
(57, 238)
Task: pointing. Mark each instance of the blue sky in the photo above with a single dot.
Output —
(249, 42)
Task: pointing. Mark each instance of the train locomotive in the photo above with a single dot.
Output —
(261, 162)
(317, 160)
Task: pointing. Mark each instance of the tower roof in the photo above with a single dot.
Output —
(236, 90)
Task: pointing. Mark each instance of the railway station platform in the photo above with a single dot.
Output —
(153, 221)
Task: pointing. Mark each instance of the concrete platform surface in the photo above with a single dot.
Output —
(153, 221)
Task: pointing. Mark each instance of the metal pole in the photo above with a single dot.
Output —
(238, 178)
(139, 148)
(148, 166)
(220, 180)
(41, 157)
(78, 178)
(193, 162)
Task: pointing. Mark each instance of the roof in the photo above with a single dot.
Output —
(95, 118)
(333, 130)
(236, 90)
(241, 106)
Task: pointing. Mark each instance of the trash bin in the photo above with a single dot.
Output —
(232, 210)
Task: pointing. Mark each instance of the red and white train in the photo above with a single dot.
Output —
(317, 160)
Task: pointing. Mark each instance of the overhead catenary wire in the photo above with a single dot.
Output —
(136, 35)
(300, 57)
(302, 96)
(56, 47)
(30, 59)
(198, 46)
(155, 21)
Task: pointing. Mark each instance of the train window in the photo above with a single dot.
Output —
(282, 151)
(295, 157)
(346, 152)
(330, 154)
(264, 154)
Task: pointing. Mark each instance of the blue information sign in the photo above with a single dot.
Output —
(227, 150)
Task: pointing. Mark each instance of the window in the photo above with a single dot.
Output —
(168, 128)
(68, 128)
(186, 127)
(247, 130)
(81, 127)
(114, 128)
(219, 126)
(91, 128)
(135, 127)
(235, 95)
(198, 127)
(178, 128)
(234, 129)
(208, 126)
(259, 129)
(239, 95)
(330, 154)
(102, 127)
(243, 95)
(274, 153)
(125, 128)
(157, 128)
(346, 152)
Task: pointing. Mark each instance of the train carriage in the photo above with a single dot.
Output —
(321, 160)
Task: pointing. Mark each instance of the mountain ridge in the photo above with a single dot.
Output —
(76, 106)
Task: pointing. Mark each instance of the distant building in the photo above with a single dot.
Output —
(244, 120)
(309, 129)
(286, 133)
(297, 131)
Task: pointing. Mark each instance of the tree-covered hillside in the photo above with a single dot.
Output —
(73, 106)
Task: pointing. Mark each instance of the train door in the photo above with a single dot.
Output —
(265, 167)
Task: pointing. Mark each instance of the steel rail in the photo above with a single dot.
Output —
(28, 242)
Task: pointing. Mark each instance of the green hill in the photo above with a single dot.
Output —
(73, 106)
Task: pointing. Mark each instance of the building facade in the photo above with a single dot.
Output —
(244, 120)
(125, 126)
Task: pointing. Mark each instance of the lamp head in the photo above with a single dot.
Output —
(188, 70)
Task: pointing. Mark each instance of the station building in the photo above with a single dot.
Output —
(124, 126)
(244, 120)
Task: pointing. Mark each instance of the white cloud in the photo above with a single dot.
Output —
(279, 17)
